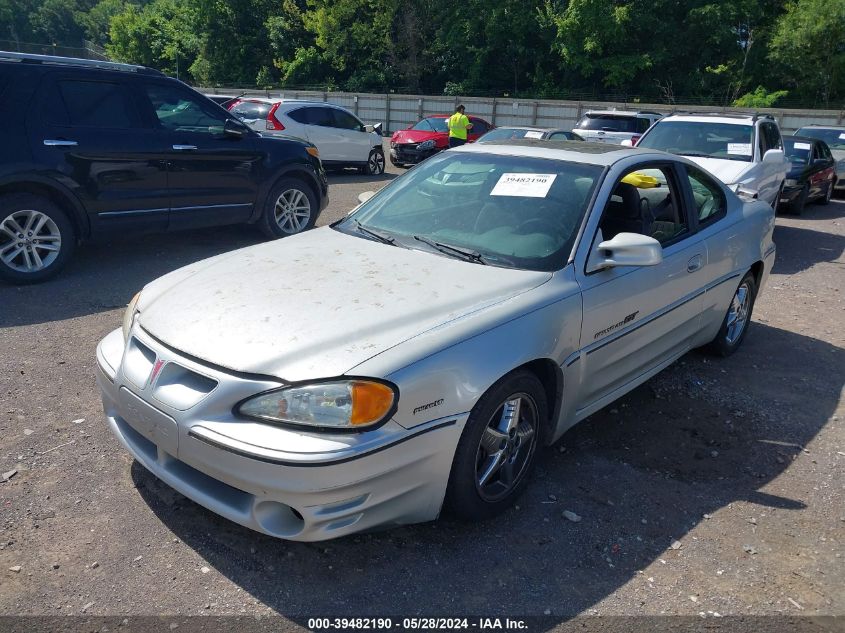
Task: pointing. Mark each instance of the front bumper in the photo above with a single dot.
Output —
(790, 194)
(407, 153)
(283, 482)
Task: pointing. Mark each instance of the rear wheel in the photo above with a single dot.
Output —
(498, 448)
(737, 319)
(36, 238)
(290, 208)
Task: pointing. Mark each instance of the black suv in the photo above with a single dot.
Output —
(94, 148)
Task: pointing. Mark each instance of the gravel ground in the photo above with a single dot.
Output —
(715, 488)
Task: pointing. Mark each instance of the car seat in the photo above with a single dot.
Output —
(626, 212)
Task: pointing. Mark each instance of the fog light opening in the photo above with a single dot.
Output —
(278, 519)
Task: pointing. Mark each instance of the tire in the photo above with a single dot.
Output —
(30, 256)
(375, 164)
(473, 493)
(727, 341)
(290, 208)
(825, 199)
(798, 206)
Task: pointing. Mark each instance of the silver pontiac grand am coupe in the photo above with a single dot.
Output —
(416, 355)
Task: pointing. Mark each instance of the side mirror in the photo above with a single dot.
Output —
(773, 156)
(627, 143)
(625, 249)
(366, 195)
(234, 129)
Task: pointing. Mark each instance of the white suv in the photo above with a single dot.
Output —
(614, 126)
(745, 151)
(342, 139)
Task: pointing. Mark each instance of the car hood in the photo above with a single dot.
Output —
(317, 304)
(416, 136)
(728, 171)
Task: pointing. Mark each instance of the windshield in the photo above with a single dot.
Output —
(432, 124)
(608, 123)
(509, 211)
(702, 138)
(797, 150)
(834, 138)
(505, 133)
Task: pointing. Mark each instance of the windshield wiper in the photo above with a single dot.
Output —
(695, 154)
(463, 253)
(381, 237)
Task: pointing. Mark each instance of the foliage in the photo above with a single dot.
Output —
(660, 50)
(760, 98)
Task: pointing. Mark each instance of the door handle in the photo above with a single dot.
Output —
(184, 148)
(52, 142)
(694, 263)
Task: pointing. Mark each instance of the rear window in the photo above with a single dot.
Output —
(251, 110)
(608, 123)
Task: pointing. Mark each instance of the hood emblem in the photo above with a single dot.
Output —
(156, 370)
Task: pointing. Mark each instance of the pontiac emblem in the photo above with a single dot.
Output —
(156, 369)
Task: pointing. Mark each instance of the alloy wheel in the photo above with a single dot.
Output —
(376, 163)
(738, 314)
(292, 211)
(506, 447)
(29, 241)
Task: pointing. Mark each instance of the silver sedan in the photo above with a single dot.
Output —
(416, 355)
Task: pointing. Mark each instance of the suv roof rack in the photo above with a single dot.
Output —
(26, 58)
(754, 116)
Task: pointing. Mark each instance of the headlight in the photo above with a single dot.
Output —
(339, 404)
(392, 145)
(429, 144)
(129, 316)
(789, 182)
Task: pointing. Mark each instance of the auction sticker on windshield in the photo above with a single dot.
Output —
(802, 146)
(533, 135)
(526, 185)
(743, 149)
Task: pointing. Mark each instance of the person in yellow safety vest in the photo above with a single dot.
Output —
(458, 125)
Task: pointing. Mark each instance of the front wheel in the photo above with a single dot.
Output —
(290, 208)
(375, 163)
(498, 448)
(36, 238)
(829, 194)
(737, 319)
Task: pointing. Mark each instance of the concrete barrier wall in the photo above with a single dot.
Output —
(397, 112)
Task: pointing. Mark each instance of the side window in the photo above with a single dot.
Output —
(300, 115)
(478, 126)
(559, 136)
(324, 117)
(708, 197)
(773, 136)
(92, 104)
(643, 125)
(762, 141)
(645, 201)
(179, 111)
(346, 121)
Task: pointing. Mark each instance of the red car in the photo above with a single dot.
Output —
(427, 137)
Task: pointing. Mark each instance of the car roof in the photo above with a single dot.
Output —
(621, 112)
(731, 119)
(821, 126)
(601, 154)
(528, 128)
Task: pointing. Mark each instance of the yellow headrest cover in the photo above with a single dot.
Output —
(641, 181)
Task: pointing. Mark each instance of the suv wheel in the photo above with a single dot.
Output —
(290, 208)
(375, 164)
(36, 238)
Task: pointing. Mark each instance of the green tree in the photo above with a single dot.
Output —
(58, 22)
(760, 98)
(809, 44)
(160, 34)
